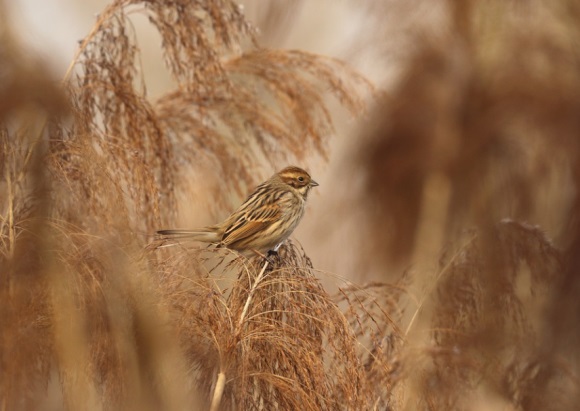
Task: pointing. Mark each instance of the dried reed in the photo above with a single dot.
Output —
(481, 125)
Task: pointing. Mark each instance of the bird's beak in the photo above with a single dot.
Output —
(313, 183)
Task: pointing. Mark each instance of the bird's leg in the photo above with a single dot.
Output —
(271, 253)
(270, 256)
(274, 251)
(274, 258)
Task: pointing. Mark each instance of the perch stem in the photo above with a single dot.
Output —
(251, 294)
(218, 391)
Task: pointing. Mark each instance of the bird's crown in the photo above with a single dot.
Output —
(296, 177)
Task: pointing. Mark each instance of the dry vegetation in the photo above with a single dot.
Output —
(481, 126)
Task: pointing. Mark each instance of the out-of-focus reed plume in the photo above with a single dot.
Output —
(476, 141)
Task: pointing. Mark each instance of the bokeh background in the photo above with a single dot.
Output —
(444, 136)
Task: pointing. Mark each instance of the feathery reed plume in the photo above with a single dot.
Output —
(27, 98)
(489, 294)
(480, 127)
(375, 313)
(272, 336)
(84, 313)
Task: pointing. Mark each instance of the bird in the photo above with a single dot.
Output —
(263, 221)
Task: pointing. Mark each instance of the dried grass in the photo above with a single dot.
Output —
(273, 332)
(481, 126)
(478, 128)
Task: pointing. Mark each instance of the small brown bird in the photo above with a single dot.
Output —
(264, 221)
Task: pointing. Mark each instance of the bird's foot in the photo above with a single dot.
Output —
(271, 256)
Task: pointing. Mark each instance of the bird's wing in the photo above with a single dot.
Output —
(254, 220)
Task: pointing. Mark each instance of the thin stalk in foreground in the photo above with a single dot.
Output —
(221, 378)
(218, 392)
(250, 295)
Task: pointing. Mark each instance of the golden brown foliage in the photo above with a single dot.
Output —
(478, 135)
(85, 316)
(273, 332)
(480, 127)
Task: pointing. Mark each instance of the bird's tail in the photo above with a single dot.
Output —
(204, 235)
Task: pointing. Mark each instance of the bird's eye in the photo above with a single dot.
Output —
(301, 179)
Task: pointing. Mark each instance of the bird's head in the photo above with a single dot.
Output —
(298, 179)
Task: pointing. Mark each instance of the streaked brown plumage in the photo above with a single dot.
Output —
(264, 221)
